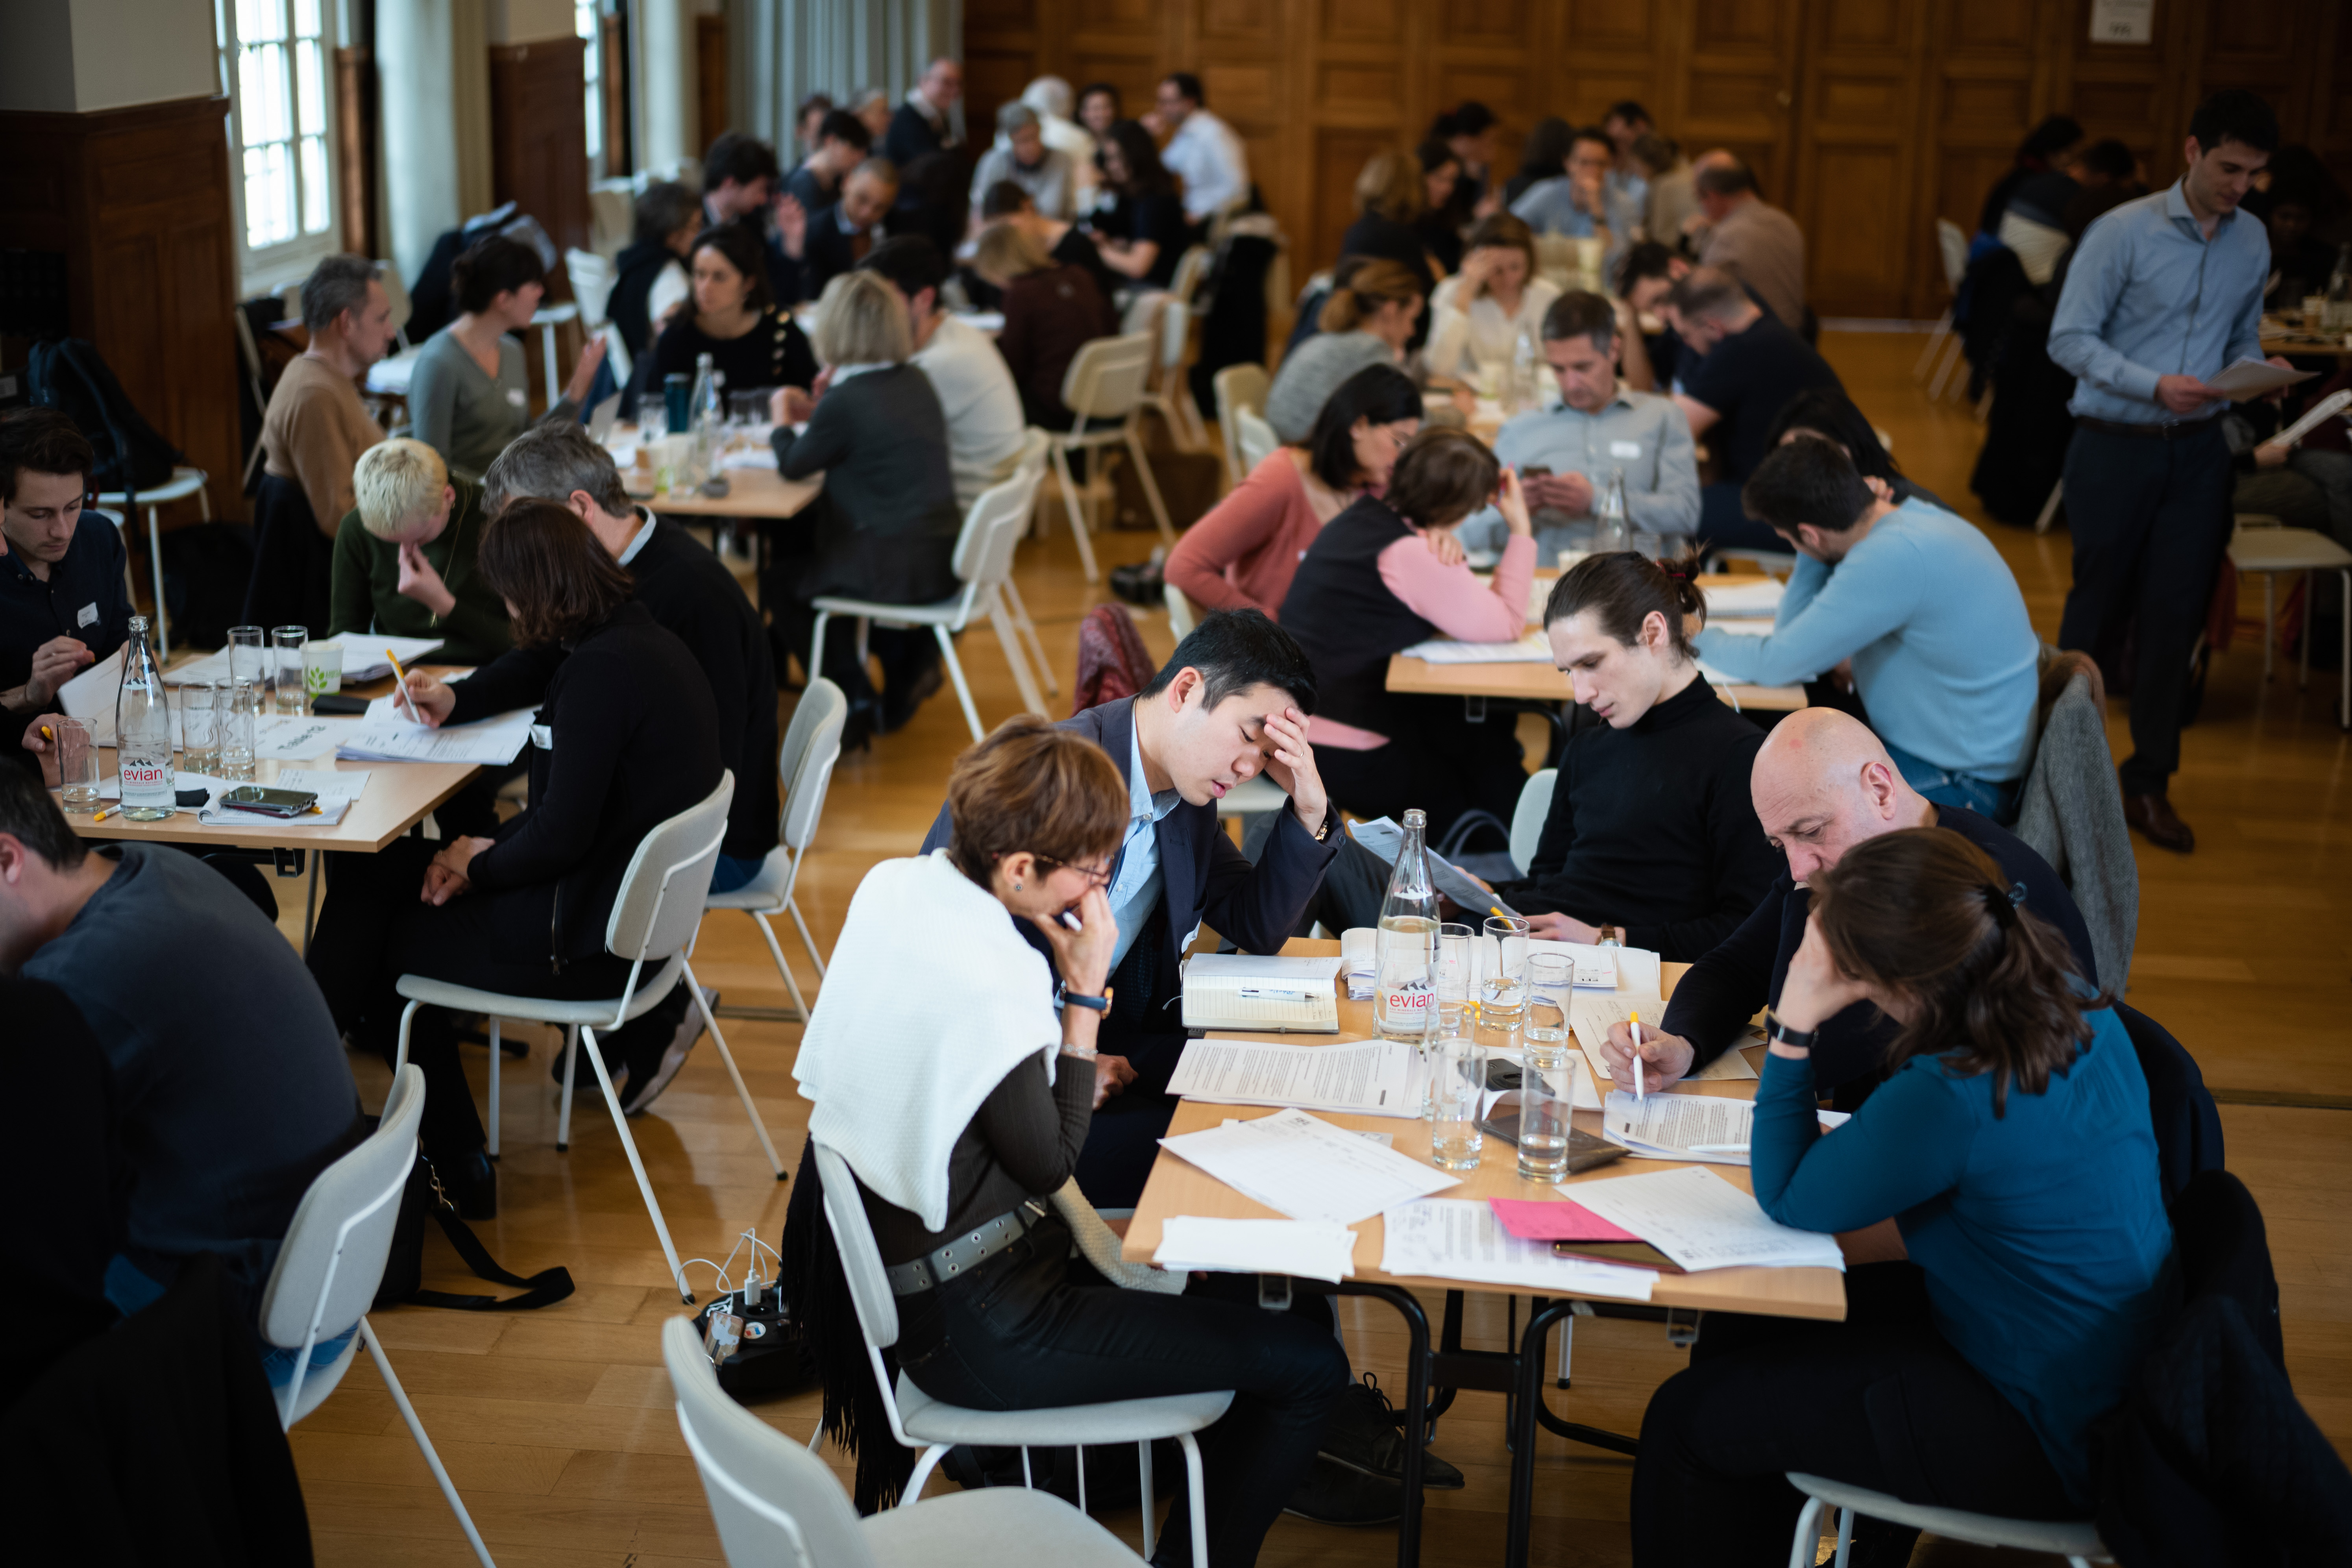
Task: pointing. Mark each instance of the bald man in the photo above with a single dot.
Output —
(1821, 785)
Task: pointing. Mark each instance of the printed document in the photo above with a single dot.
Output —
(1460, 1238)
(1384, 838)
(1372, 1078)
(1531, 649)
(1305, 1167)
(1702, 1221)
(1310, 1249)
(487, 742)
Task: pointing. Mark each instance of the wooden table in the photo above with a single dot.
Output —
(1176, 1187)
(750, 492)
(2292, 342)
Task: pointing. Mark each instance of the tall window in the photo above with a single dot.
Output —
(589, 26)
(273, 63)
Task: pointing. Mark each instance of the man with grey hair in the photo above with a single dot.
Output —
(1021, 156)
(1050, 96)
(922, 123)
(689, 591)
(311, 435)
(1753, 240)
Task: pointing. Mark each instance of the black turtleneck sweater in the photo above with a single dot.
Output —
(1652, 829)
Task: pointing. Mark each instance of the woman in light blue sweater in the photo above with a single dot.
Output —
(2011, 1146)
(469, 395)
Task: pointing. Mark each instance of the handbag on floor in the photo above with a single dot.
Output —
(403, 1270)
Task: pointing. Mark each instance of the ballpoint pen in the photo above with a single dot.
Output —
(1639, 1091)
(400, 685)
(103, 816)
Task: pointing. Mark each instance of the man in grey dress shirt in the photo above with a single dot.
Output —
(1597, 425)
(2162, 293)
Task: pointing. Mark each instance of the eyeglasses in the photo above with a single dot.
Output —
(1096, 877)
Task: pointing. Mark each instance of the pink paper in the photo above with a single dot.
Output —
(1556, 1219)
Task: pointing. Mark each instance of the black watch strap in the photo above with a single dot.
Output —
(1098, 1003)
(1779, 1033)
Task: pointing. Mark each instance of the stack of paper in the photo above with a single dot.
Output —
(1449, 1239)
(1702, 1221)
(1700, 1127)
(1311, 1249)
(1384, 838)
(1374, 1077)
(336, 791)
(1360, 961)
(1749, 599)
(1260, 991)
(1303, 1166)
(298, 737)
(1637, 973)
(1531, 649)
(490, 742)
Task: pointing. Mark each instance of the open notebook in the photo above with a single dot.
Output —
(1261, 995)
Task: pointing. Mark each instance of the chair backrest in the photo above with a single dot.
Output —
(1527, 817)
(591, 284)
(1236, 387)
(332, 1258)
(1191, 267)
(659, 906)
(772, 1501)
(861, 1255)
(1143, 312)
(812, 746)
(1952, 244)
(1555, 258)
(998, 518)
(1181, 615)
(1108, 377)
(612, 215)
(1258, 441)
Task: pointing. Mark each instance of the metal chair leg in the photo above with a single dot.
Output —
(400, 1052)
(727, 1058)
(636, 1163)
(816, 646)
(424, 1443)
(563, 1114)
(808, 941)
(1028, 628)
(496, 1055)
(1010, 636)
(963, 690)
(775, 949)
(1150, 485)
(1077, 522)
(1151, 1500)
(1807, 1545)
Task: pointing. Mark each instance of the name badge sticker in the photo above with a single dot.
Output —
(543, 737)
(89, 614)
(515, 396)
(1625, 449)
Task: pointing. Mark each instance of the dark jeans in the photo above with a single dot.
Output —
(1029, 1329)
(1723, 521)
(373, 929)
(2151, 519)
(1879, 1401)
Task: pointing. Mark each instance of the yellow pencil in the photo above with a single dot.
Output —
(49, 734)
(400, 678)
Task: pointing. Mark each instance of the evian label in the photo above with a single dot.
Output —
(1407, 999)
(146, 781)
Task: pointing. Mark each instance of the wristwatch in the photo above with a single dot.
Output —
(1608, 936)
(1777, 1033)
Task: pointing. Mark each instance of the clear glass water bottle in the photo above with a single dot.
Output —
(1527, 368)
(708, 405)
(1611, 530)
(143, 731)
(1405, 984)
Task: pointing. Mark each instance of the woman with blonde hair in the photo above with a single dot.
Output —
(1051, 311)
(1368, 319)
(885, 526)
(1479, 314)
(959, 1106)
(1390, 202)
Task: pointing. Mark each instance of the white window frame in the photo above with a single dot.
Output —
(590, 12)
(275, 267)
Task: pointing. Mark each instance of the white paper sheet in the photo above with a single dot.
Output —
(2251, 378)
(299, 738)
(1384, 838)
(90, 695)
(1310, 1249)
(1303, 1166)
(488, 743)
(325, 782)
(1372, 1078)
(1460, 1238)
(1531, 649)
(1749, 599)
(1665, 1126)
(1590, 1012)
(1267, 975)
(1702, 1221)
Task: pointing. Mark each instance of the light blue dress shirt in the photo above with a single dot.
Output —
(1548, 206)
(1137, 887)
(2148, 295)
(1944, 655)
(1639, 432)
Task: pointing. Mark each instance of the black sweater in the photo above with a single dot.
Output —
(634, 742)
(889, 524)
(692, 595)
(1652, 828)
(1722, 990)
(1022, 1142)
(774, 353)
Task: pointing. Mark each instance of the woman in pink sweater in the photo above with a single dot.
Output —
(1242, 553)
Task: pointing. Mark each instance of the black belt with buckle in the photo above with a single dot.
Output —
(965, 1252)
(2177, 431)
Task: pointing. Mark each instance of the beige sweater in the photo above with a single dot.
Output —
(314, 431)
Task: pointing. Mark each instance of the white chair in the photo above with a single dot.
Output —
(2270, 549)
(185, 482)
(2077, 1541)
(654, 921)
(1032, 459)
(1107, 381)
(1182, 615)
(804, 761)
(1172, 393)
(1952, 245)
(983, 561)
(1527, 817)
(1238, 387)
(918, 1421)
(775, 1503)
(591, 284)
(2049, 513)
(330, 1265)
(1258, 442)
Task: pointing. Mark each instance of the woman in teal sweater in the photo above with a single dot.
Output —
(2011, 1147)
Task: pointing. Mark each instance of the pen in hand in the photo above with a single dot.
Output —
(400, 686)
(1640, 1093)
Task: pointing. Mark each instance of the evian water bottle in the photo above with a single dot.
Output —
(1405, 980)
(143, 731)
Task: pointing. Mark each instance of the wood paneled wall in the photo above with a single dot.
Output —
(1866, 119)
(137, 200)
(539, 136)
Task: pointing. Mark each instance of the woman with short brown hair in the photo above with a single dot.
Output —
(961, 1102)
(2012, 1148)
(1479, 316)
(626, 738)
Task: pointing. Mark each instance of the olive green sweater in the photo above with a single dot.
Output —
(367, 595)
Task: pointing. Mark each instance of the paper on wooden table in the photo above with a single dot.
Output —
(1451, 1238)
(1310, 1249)
(1373, 1078)
(1702, 1221)
(1303, 1166)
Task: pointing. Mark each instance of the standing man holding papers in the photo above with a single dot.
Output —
(2161, 292)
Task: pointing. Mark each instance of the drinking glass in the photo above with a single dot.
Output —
(1454, 963)
(1551, 971)
(323, 670)
(77, 764)
(1545, 1034)
(200, 736)
(1503, 990)
(247, 658)
(1457, 1077)
(236, 726)
(287, 675)
(1547, 1097)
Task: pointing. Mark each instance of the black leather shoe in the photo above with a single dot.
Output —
(469, 1181)
(1334, 1493)
(1364, 1432)
(2153, 817)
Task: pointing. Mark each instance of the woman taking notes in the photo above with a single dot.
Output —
(2011, 1144)
(964, 1101)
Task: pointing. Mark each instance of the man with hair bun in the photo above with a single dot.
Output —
(404, 556)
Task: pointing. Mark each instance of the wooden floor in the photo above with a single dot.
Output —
(557, 1425)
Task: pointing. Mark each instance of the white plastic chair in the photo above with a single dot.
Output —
(1172, 394)
(1257, 437)
(1182, 614)
(1952, 246)
(2077, 1541)
(654, 921)
(2261, 546)
(775, 1503)
(804, 761)
(591, 284)
(185, 482)
(918, 1421)
(2049, 513)
(1527, 817)
(984, 563)
(1106, 380)
(1031, 460)
(330, 1268)
(1238, 387)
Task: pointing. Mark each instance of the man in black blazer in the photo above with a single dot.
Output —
(920, 124)
(1232, 704)
(841, 235)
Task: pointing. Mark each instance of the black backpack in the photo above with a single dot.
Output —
(70, 375)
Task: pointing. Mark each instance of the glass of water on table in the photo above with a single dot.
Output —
(1503, 988)
(1457, 1083)
(200, 720)
(76, 749)
(236, 725)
